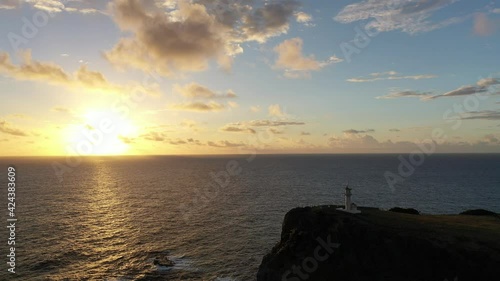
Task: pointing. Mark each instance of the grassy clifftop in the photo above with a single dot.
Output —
(321, 243)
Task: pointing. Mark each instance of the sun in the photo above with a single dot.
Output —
(100, 132)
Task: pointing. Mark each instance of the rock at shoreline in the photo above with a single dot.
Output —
(163, 261)
(410, 211)
(479, 212)
(323, 244)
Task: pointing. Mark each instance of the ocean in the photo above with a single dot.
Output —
(215, 217)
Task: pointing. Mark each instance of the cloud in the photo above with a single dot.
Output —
(189, 124)
(406, 94)
(304, 18)
(487, 82)
(276, 131)
(394, 130)
(154, 136)
(366, 144)
(51, 6)
(199, 106)
(224, 144)
(10, 4)
(492, 139)
(32, 70)
(268, 21)
(462, 91)
(389, 75)
(233, 104)
(189, 35)
(354, 132)
(305, 134)
(194, 90)
(410, 16)
(269, 123)
(7, 128)
(194, 141)
(58, 6)
(255, 109)
(61, 109)
(275, 110)
(126, 140)
(177, 142)
(162, 137)
(482, 115)
(353, 140)
(295, 64)
(166, 44)
(235, 129)
(481, 86)
(483, 26)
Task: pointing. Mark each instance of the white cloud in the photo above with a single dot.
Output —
(275, 110)
(294, 63)
(406, 94)
(237, 129)
(389, 75)
(10, 4)
(368, 144)
(58, 6)
(269, 123)
(188, 37)
(411, 16)
(194, 90)
(481, 86)
(199, 106)
(7, 128)
(255, 109)
(304, 18)
(354, 132)
(32, 70)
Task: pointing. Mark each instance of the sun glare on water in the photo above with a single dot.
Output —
(100, 133)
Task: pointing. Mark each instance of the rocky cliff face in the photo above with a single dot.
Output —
(323, 244)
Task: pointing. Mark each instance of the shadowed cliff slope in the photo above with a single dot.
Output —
(321, 243)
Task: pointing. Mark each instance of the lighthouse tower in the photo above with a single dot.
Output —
(349, 207)
(348, 202)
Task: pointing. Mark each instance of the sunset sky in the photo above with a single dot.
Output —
(221, 77)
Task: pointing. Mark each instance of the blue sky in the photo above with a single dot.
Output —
(304, 77)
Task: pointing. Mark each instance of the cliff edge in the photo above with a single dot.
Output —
(324, 244)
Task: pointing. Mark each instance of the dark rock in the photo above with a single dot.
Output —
(479, 212)
(163, 261)
(410, 211)
(379, 245)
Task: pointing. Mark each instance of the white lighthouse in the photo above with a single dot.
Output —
(347, 198)
(349, 207)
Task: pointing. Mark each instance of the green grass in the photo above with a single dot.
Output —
(460, 228)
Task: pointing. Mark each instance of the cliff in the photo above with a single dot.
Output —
(323, 244)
